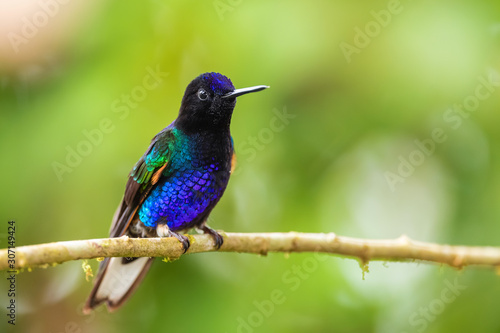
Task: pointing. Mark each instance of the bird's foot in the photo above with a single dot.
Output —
(183, 239)
(162, 230)
(219, 240)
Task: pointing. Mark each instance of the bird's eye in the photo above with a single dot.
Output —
(202, 95)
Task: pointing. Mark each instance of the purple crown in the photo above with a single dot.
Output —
(218, 83)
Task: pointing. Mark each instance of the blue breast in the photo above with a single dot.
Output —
(189, 189)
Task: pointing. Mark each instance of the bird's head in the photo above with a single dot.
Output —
(209, 101)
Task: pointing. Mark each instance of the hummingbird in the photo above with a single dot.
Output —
(175, 185)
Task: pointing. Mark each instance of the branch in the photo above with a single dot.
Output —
(401, 249)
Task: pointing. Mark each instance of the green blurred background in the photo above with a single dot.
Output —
(353, 117)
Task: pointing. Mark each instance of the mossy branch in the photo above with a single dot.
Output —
(400, 249)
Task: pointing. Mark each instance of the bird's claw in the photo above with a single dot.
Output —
(218, 239)
(162, 230)
(183, 239)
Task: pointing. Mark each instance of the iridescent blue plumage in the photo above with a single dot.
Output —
(195, 183)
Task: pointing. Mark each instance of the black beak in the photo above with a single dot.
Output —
(238, 92)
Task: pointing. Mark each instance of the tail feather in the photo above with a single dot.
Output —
(116, 281)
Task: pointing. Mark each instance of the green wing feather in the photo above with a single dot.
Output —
(145, 174)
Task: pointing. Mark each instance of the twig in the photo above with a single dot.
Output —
(401, 249)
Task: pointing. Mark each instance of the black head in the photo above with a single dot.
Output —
(208, 103)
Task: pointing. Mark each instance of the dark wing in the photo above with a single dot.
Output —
(118, 278)
(145, 174)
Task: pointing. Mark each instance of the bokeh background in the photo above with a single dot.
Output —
(353, 86)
